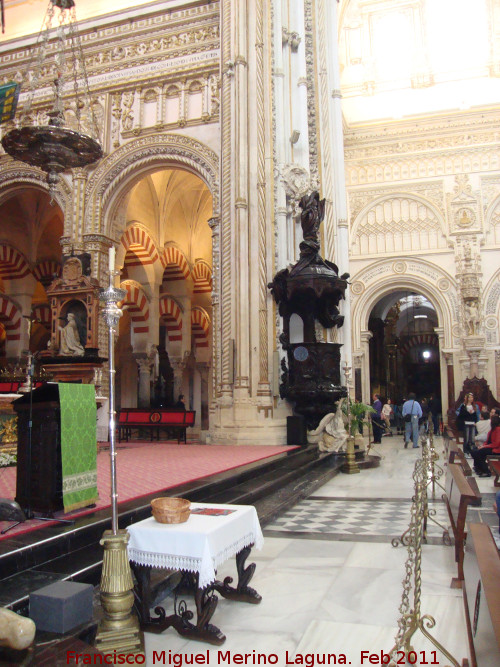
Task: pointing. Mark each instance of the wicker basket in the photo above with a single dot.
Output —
(171, 510)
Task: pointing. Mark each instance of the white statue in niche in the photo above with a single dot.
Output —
(70, 339)
(472, 319)
(331, 434)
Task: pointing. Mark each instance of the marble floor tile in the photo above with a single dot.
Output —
(326, 595)
(356, 640)
(238, 641)
(364, 595)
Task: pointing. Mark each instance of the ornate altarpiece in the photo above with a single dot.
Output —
(75, 292)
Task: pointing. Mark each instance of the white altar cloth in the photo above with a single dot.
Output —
(200, 544)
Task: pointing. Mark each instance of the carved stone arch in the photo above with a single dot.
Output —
(11, 317)
(492, 221)
(370, 286)
(138, 234)
(202, 277)
(13, 263)
(196, 85)
(16, 176)
(397, 222)
(200, 326)
(491, 311)
(131, 162)
(171, 313)
(137, 304)
(175, 264)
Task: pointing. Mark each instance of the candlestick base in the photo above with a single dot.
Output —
(119, 629)
(350, 467)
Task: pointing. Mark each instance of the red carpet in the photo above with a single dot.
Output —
(144, 468)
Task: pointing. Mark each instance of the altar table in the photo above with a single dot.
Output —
(212, 534)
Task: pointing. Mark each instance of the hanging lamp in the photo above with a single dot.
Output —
(54, 147)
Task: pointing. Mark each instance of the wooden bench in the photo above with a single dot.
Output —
(454, 454)
(154, 420)
(481, 595)
(494, 465)
(459, 495)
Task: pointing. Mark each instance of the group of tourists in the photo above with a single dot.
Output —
(409, 418)
(478, 424)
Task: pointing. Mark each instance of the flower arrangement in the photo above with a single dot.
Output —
(358, 413)
(7, 459)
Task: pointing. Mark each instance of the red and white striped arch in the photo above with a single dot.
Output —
(202, 277)
(140, 249)
(10, 316)
(46, 270)
(12, 264)
(419, 339)
(171, 314)
(175, 264)
(137, 305)
(42, 312)
(200, 326)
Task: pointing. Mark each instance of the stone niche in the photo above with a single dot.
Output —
(74, 304)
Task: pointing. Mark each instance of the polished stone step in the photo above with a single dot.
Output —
(32, 560)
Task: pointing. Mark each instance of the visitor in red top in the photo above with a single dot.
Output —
(491, 446)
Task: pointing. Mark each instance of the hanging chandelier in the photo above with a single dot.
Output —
(54, 146)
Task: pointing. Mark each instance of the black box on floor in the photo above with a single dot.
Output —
(296, 431)
(61, 606)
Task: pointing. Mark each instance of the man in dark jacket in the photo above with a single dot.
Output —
(376, 417)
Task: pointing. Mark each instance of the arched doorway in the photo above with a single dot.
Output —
(404, 347)
(30, 259)
(165, 263)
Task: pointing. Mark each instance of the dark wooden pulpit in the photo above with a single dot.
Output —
(39, 470)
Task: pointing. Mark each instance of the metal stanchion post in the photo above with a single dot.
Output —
(119, 629)
(350, 467)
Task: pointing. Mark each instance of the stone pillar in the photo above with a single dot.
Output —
(98, 246)
(357, 376)
(203, 370)
(474, 345)
(448, 356)
(365, 378)
(474, 363)
(497, 372)
(80, 177)
(178, 367)
(214, 224)
(145, 364)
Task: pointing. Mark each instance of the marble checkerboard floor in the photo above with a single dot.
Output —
(331, 581)
(367, 520)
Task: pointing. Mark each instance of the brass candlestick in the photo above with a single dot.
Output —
(119, 629)
(350, 467)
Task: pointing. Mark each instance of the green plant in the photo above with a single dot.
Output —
(358, 413)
